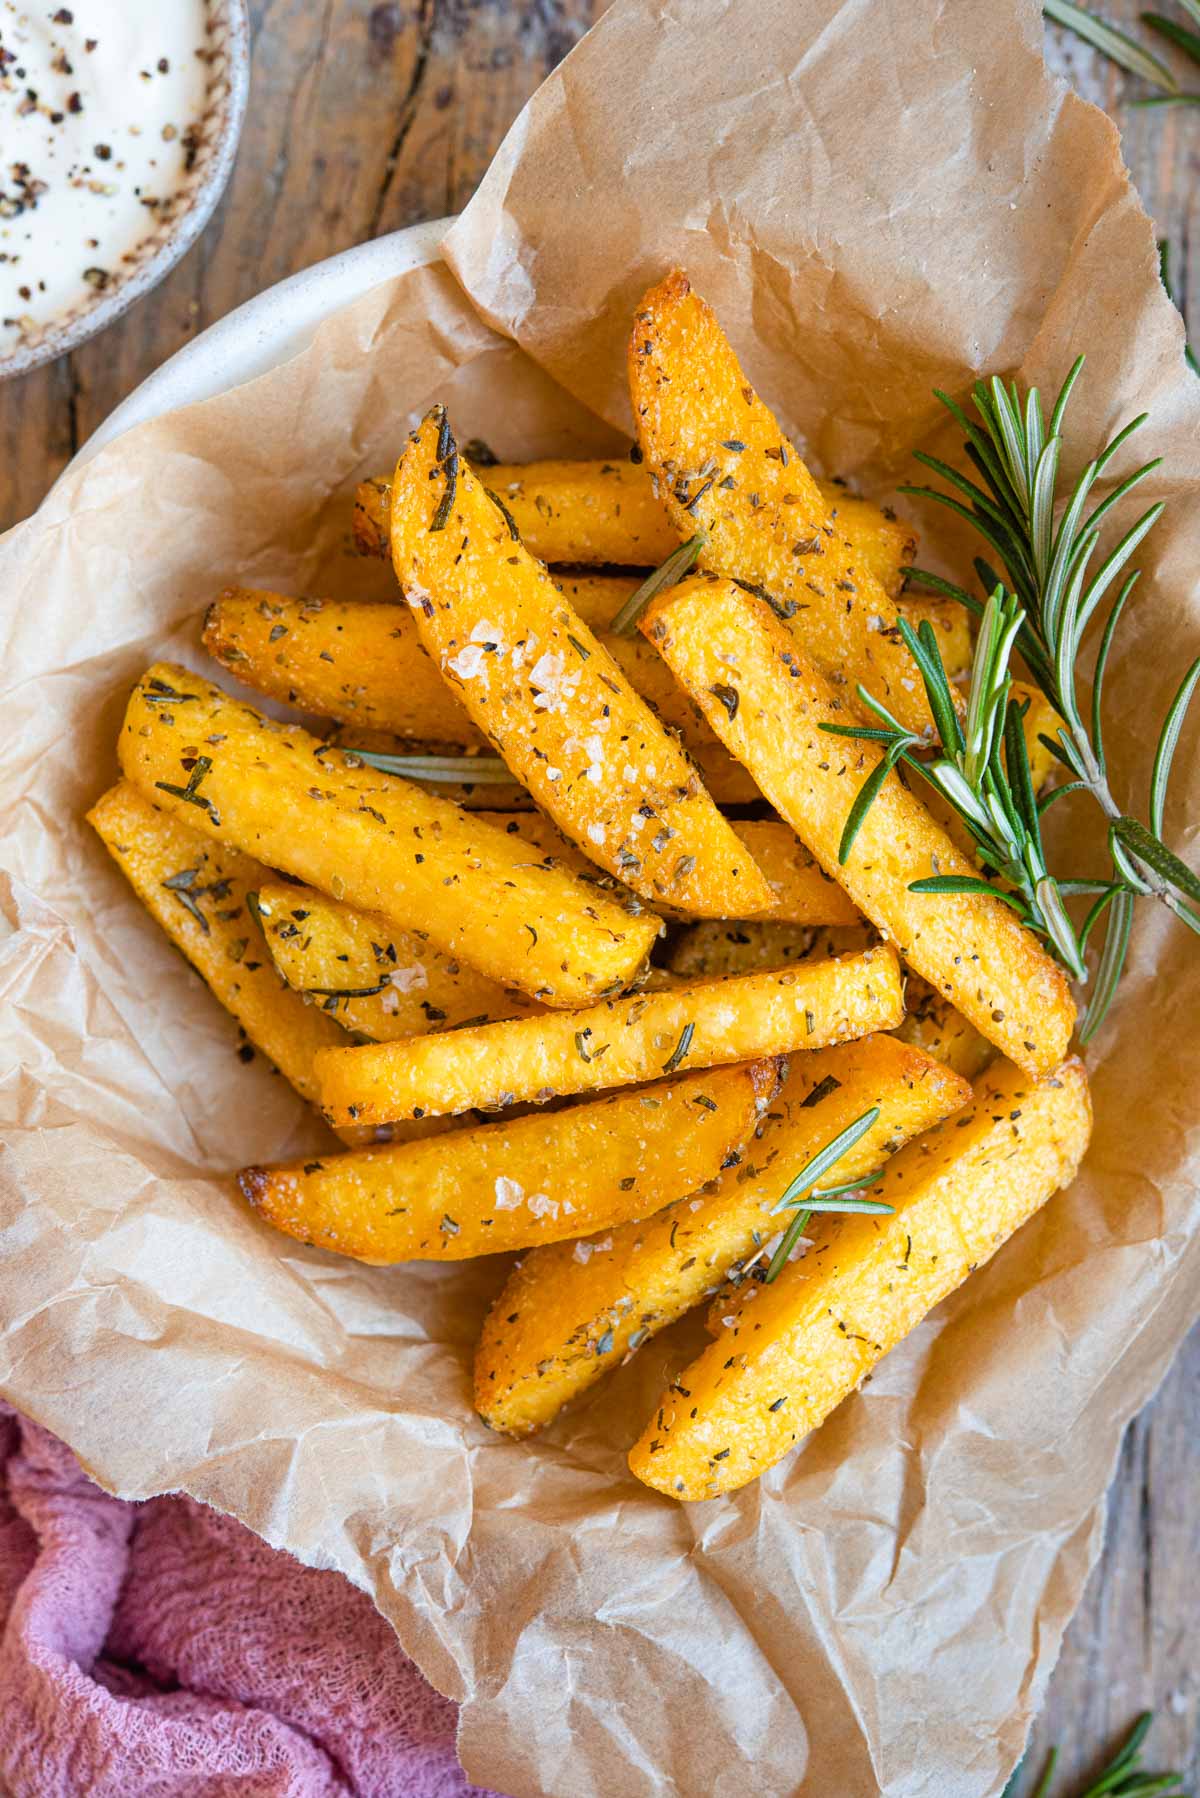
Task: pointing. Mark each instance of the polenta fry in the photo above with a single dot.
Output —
(766, 701)
(553, 702)
(724, 469)
(713, 949)
(621, 1041)
(596, 513)
(512, 1184)
(371, 978)
(378, 842)
(569, 1312)
(202, 895)
(793, 1350)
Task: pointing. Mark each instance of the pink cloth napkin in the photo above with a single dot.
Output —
(162, 1649)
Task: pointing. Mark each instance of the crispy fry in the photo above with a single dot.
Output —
(357, 662)
(804, 893)
(931, 1023)
(535, 679)
(715, 948)
(793, 1350)
(362, 664)
(510, 1185)
(724, 468)
(766, 701)
(200, 892)
(586, 514)
(370, 977)
(615, 1043)
(883, 544)
(378, 842)
(569, 1312)
(603, 512)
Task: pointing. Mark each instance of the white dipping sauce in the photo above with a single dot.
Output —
(99, 106)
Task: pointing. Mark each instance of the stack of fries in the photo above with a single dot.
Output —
(611, 1025)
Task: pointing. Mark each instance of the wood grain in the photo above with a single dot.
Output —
(365, 117)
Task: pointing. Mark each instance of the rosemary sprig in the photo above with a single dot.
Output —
(677, 564)
(803, 1196)
(1055, 582)
(1121, 1778)
(982, 771)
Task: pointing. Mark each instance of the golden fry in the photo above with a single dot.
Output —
(371, 978)
(931, 1023)
(357, 662)
(201, 893)
(715, 948)
(380, 843)
(725, 469)
(766, 702)
(616, 1043)
(513, 1184)
(553, 702)
(571, 1311)
(598, 513)
(790, 1352)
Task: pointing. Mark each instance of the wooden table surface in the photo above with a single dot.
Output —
(365, 117)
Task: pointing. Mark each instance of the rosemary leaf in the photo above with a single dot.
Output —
(677, 564)
(1147, 847)
(1112, 964)
(826, 1158)
(966, 883)
(1125, 51)
(465, 770)
(1179, 35)
(1167, 743)
(868, 792)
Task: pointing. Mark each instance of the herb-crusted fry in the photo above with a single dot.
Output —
(791, 1351)
(511, 1185)
(971, 947)
(570, 1311)
(370, 977)
(598, 513)
(552, 700)
(931, 1023)
(724, 468)
(585, 514)
(201, 893)
(362, 664)
(804, 893)
(705, 951)
(380, 843)
(354, 661)
(615, 1043)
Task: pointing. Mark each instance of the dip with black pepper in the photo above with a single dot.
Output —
(99, 107)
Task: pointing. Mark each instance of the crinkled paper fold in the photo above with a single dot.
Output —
(880, 197)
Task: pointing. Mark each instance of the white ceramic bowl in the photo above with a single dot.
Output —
(227, 28)
(268, 329)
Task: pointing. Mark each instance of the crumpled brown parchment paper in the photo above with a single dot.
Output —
(879, 196)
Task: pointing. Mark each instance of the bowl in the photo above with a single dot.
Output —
(227, 29)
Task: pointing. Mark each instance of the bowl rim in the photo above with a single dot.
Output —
(206, 195)
(266, 330)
